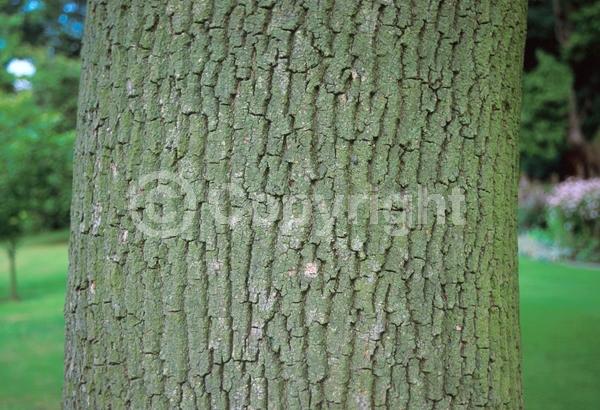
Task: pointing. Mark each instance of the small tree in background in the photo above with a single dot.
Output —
(36, 125)
(12, 225)
(35, 173)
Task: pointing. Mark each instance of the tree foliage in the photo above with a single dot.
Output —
(37, 122)
(563, 46)
(545, 114)
(36, 166)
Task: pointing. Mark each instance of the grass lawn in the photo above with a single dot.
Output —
(31, 330)
(560, 322)
(560, 306)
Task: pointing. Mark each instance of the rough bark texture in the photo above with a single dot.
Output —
(323, 99)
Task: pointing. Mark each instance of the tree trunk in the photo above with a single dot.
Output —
(12, 268)
(244, 227)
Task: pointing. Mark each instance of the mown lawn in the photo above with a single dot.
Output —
(560, 322)
(560, 307)
(31, 330)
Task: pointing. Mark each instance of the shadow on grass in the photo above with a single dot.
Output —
(38, 289)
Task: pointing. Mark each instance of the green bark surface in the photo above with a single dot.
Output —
(325, 100)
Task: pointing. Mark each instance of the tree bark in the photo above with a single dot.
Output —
(230, 160)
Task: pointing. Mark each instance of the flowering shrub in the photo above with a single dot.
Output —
(580, 197)
(573, 211)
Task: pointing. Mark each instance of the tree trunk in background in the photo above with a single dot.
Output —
(12, 268)
(222, 254)
(582, 156)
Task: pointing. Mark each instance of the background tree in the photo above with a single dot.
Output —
(35, 177)
(562, 50)
(13, 224)
(546, 89)
(37, 116)
(171, 304)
